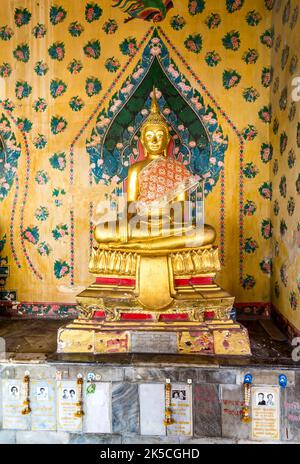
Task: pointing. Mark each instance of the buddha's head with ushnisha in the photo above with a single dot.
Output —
(155, 135)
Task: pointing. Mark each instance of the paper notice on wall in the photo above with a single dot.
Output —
(265, 413)
(182, 413)
(13, 395)
(42, 394)
(66, 407)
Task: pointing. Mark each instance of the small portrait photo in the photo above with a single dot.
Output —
(179, 395)
(65, 394)
(42, 393)
(72, 394)
(14, 391)
(261, 399)
(270, 399)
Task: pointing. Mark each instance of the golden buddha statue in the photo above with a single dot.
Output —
(154, 185)
(155, 270)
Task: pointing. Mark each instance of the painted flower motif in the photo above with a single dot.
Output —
(291, 206)
(294, 18)
(248, 282)
(298, 184)
(8, 105)
(275, 125)
(266, 228)
(40, 105)
(266, 76)
(41, 68)
(231, 78)
(60, 231)
(193, 43)
(177, 22)
(276, 85)
(75, 29)
(44, 249)
(5, 70)
(291, 158)
(250, 170)
(234, 5)
(265, 114)
(22, 16)
(39, 31)
(92, 12)
(253, 18)
(58, 161)
(265, 190)
(284, 56)
(110, 26)
(282, 227)
(249, 133)
(112, 64)
(283, 99)
(277, 43)
(267, 37)
(286, 12)
(276, 207)
(76, 103)
(249, 208)
(293, 64)
(6, 33)
(57, 14)
(42, 177)
(282, 186)
(61, 269)
(275, 167)
(298, 135)
(57, 88)
(250, 56)
(213, 21)
(57, 194)
(24, 125)
(22, 89)
(92, 86)
(41, 213)
(250, 245)
(57, 51)
(292, 111)
(293, 300)
(92, 49)
(283, 142)
(75, 66)
(40, 141)
(128, 46)
(196, 6)
(266, 152)
(284, 275)
(250, 94)
(22, 53)
(231, 40)
(58, 124)
(31, 234)
(266, 265)
(212, 58)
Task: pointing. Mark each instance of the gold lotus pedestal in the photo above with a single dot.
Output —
(167, 302)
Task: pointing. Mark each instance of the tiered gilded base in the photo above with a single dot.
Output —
(209, 338)
(146, 303)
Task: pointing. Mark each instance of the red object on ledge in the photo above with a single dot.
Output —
(194, 281)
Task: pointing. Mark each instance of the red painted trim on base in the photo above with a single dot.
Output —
(115, 281)
(193, 281)
(135, 317)
(174, 317)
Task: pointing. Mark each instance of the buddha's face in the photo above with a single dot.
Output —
(155, 140)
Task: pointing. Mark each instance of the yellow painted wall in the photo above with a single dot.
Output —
(241, 112)
(285, 166)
